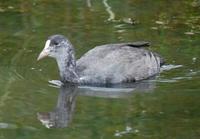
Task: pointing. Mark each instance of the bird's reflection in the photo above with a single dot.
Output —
(118, 91)
(61, 116)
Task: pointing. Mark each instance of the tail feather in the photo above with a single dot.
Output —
(162, 61)
(139, 44)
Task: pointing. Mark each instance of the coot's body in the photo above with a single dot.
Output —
(105, 64)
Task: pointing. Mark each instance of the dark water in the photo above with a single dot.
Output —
(165, 107)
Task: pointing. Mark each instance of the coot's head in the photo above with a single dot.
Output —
(56, 46)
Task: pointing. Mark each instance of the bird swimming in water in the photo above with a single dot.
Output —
(105, 64)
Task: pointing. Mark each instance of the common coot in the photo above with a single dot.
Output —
(105, 64)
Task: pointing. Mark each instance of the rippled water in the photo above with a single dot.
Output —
(165, 107)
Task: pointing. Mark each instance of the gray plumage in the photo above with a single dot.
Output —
(105, 64)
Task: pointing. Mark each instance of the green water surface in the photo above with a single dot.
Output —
(170, 109)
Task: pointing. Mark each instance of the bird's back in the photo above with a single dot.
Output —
(118, 63)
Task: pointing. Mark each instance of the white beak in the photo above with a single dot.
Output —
(45, 51)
